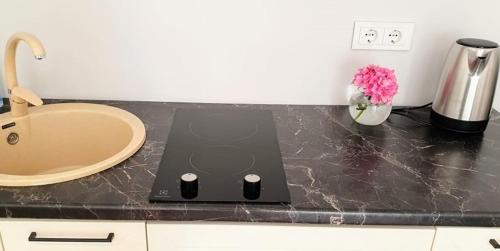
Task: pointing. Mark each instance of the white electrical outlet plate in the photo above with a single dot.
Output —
(382, 36)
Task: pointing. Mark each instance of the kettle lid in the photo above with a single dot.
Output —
(477, 43)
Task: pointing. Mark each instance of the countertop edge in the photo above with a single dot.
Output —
(293, 216)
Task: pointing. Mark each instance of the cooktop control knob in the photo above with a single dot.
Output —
(189, 185)
(251, 186)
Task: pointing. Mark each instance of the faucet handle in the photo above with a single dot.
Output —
(27, 95)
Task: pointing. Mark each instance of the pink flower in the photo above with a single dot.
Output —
(379, 84)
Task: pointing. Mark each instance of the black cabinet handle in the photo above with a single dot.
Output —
(33, 237)
(495, 244)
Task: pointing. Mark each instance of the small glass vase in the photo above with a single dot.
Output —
(366, 113)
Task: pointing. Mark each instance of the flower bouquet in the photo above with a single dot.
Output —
(371, 94)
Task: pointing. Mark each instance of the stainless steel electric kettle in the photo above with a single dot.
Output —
(467, 86)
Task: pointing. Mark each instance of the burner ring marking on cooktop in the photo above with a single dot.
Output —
(222, 158)
(216, 127)
(241, 138)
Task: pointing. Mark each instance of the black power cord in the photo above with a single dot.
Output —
(405, 112)
(409, 108)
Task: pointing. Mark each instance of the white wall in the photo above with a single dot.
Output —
(245, 51)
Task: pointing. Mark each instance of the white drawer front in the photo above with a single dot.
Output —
(128, 236)
(465, 239)
(254, 237)
(1, 242)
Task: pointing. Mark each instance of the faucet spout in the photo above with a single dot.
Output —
(19, 106)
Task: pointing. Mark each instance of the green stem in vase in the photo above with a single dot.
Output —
(361, 108)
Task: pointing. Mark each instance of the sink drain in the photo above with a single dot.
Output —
(13, 138)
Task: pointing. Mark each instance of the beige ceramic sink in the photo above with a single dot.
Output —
(62, 142)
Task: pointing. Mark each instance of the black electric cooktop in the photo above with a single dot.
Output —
(221, 156)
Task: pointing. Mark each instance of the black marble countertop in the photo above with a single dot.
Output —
(399, 173)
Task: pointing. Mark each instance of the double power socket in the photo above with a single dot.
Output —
(382, 35)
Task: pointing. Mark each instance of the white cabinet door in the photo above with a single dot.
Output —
(293, 237)
(466, 239)
(50, 235)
